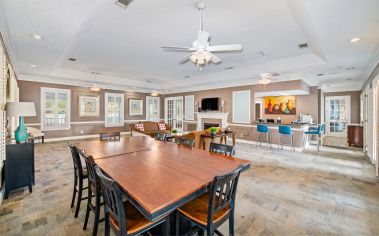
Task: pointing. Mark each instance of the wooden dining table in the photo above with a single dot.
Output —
(158, 177)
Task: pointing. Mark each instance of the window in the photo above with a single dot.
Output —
(152, 108)
(189, 105)
(241, 106)
(114, 109)
(55, 109)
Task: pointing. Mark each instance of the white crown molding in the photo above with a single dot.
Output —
(7, 38)
(371, 67)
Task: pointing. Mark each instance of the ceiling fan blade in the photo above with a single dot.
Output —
(185, 59)
(215, 59)
(224, 48)
(178, 48)
(202, 39)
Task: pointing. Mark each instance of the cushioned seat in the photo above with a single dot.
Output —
(197, 210)
(136, 221)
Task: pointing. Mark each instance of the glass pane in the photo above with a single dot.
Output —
(49, 100)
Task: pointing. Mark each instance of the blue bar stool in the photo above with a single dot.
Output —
(315, 131)
(285, 130)
(263, 129)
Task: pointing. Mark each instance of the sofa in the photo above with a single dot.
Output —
(150, 128)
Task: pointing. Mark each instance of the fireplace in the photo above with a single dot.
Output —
(208, 125)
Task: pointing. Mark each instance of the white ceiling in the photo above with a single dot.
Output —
(123, 45)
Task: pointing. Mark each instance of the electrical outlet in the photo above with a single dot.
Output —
(81, 131)
(241, 135)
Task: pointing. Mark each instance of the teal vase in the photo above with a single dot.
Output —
(21, 134)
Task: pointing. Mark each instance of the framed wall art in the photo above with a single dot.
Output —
(135, 107)
(89, 106)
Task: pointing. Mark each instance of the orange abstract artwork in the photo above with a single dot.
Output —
(282, 105)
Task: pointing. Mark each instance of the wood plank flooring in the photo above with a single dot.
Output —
(333, 192)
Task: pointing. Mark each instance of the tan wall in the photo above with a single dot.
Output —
(31, 91)
(307, 104)
(355, 103)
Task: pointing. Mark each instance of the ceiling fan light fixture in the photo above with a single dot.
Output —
(264, 82)
(208, 57)
(95, 88)
(193, 58)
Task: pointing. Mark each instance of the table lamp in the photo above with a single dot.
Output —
(21, 109)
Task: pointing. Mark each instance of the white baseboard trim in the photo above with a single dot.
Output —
(273, 146)
(78, 137)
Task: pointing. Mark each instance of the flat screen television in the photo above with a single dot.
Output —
(209, 104)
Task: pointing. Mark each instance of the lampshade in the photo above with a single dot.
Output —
(21, 109)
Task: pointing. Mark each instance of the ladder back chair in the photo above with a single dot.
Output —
(124, 218)
(222, 149)
(94, 190)
(212, 209)
(80, 174)
(186, 142)
(110, 136)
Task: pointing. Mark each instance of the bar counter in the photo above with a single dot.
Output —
(250, 133)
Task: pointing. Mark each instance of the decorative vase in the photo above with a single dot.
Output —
(21, 133)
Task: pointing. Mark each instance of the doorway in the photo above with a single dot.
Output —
(337, 115)
(174, 112)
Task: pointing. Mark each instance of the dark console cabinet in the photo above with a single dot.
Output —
(19, 166)
(355, 135)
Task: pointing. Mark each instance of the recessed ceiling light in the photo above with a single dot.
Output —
(354, 40)
(229, 68)
(350, 68)
(72, 59)
(187, 76)
(349, 79)
(303, 45)
(320, 74)
(37, 36)
(33, 66)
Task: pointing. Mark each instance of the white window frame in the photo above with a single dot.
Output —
(235, 93)
(189, 107)
(44, 90)
(115, 95)
(148, 118)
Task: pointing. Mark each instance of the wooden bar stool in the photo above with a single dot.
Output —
(94, 190)
(80, 175)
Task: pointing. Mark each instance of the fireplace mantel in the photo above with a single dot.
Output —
(223, 116)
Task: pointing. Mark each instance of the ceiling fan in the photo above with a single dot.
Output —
(201, 51)
(266, 77)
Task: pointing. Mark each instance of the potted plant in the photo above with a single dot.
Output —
(213, 130)
(174, 131)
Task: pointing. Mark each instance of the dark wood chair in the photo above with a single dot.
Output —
(212, 209)
(161, 136)
(80, 175)
(123, 216)
(110, 136)
(222, 149)
(186, 142)
(94, 190)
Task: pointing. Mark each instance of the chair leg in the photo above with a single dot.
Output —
(318, 143)
(231, 224)
(97, 214)
(166, 227)
(107, 229)
(74, 192)
(177, 218)
(292, 147)
(88, 208)
(80, 192)
(267, 138)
